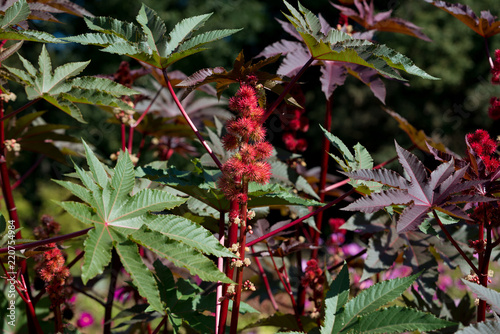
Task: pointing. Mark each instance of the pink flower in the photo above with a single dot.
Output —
(86, 319)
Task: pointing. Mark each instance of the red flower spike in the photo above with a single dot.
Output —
(481, 142)
(246, 135)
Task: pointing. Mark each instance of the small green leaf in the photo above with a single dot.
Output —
(397, 319)
(16, 13)
(375, 297)
(336, 298)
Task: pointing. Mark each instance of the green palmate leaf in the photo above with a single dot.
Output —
(336, 298)
(16, 13)
(149, 42)
(339, 46)
(180, 255)
(120, 219)
(397, 319)
(58, 88)
(376, 296)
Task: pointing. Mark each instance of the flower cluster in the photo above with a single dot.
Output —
(294, 122)
(48, 228)
(314, 277)
(50, 265)
(55, 274)
(485, 147)
(246, 135)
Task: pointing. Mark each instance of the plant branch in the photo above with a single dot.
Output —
(108, 309)
(263, 275)
(322, 178)
(190, 122)
(47, 241)
(455, 244)
(286, 90)
(323, 208)
(347, 260)
(15, 112)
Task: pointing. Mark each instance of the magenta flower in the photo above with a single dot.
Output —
(86, 319)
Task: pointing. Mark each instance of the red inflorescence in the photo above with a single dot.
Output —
(314, 277)
(481, 143)
(245, 134)
(55, 274)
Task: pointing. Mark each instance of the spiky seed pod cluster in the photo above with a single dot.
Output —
(246, 135)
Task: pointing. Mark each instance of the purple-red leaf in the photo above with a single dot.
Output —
(485, 25)
(422, 193)
(383, 21)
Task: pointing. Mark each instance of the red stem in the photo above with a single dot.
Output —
(160, 325)
(239, 273)
(231, 239)
(322, 179)
(11, 205)
(220, 266)
(108, 309)
(15, 112)
(46, 241)
(286, 286)
(484, 262)
(188, 119)
(286, 90)
(266, 281)
(28, 172)
(323, 208)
